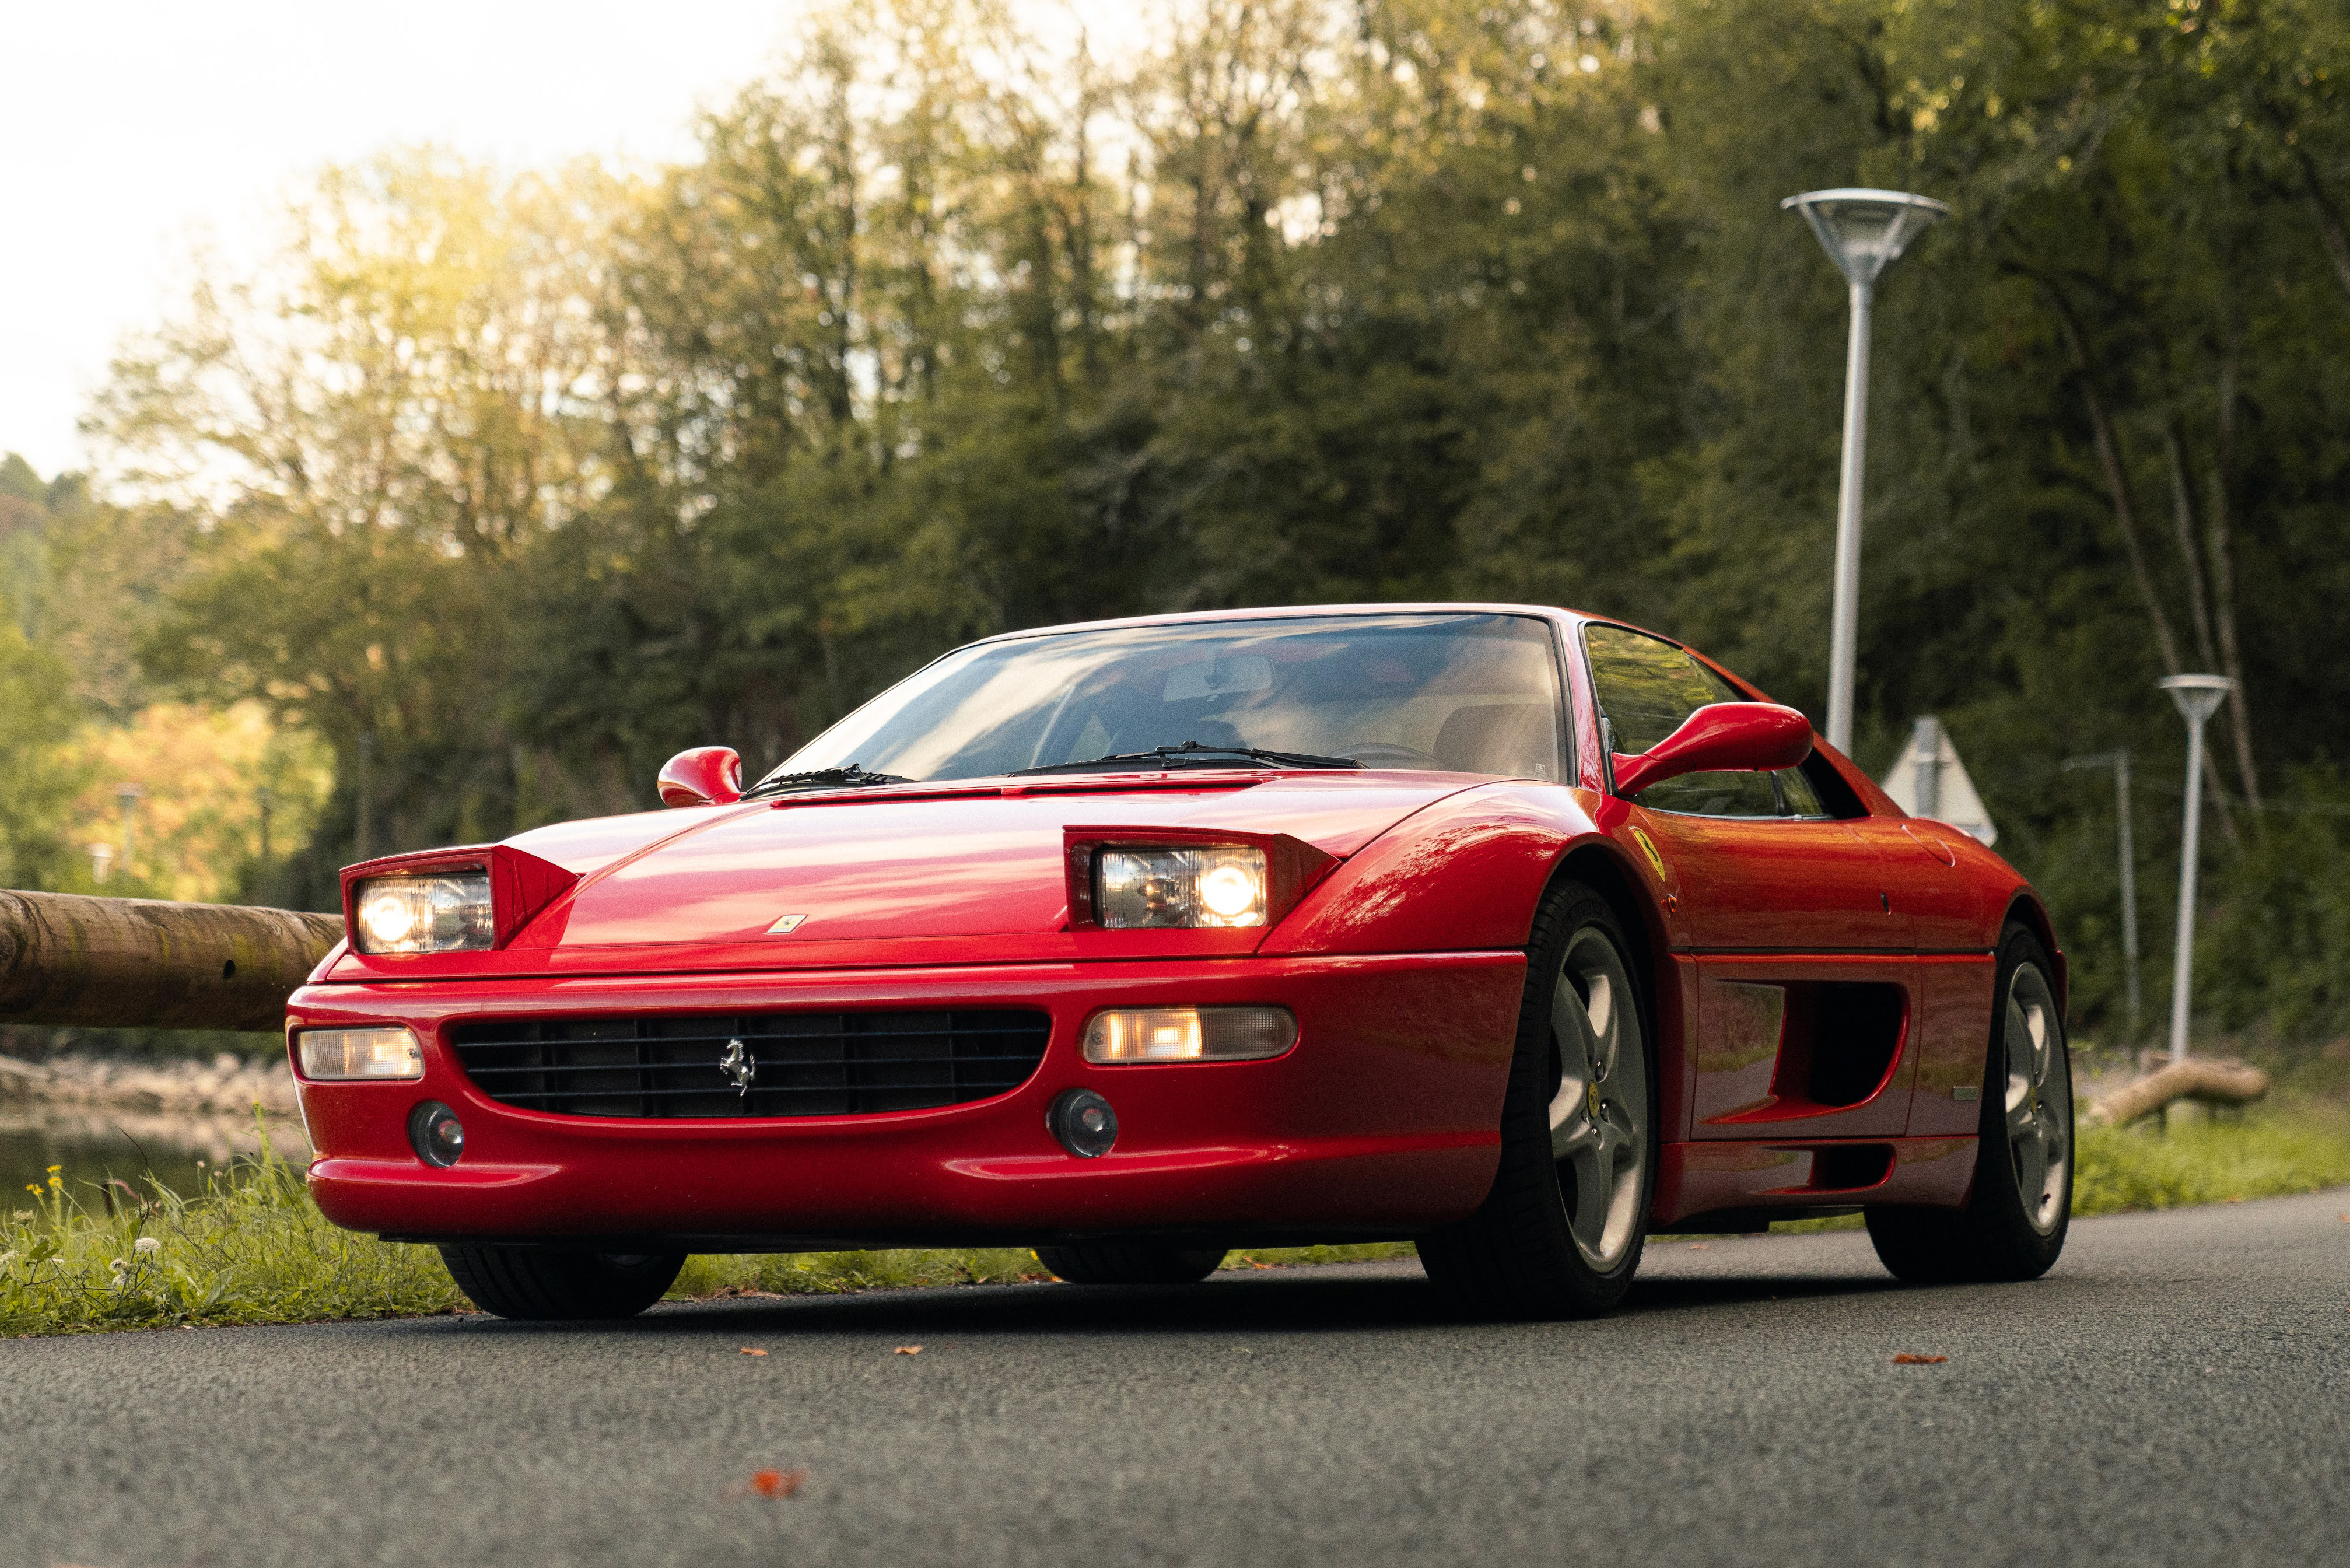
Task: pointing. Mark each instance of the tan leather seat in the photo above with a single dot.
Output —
(1512, 739)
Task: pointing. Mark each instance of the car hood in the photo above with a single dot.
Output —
(904, 874)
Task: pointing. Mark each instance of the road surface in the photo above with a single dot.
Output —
(2176, 1391)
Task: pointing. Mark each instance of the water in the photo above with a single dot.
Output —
(94, 1145)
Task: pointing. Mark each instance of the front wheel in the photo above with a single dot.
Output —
(2013, 1224)
(549, 1285)
(1560, 1234)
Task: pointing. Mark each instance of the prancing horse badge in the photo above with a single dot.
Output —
(738, 1066)
(785, 925)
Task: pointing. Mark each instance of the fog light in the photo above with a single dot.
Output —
(329, 1054)
(436, 1134)
(1190, 1035)
(1084, 1123)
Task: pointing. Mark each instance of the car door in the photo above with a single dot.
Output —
(1807, 976)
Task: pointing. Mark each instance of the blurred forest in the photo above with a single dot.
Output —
(496, 488)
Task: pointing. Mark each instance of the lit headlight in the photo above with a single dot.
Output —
(1163, 887)
(444, 914)
(332, 1053)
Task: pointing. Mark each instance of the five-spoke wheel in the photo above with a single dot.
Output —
(1599, 1111)
(1561, 1231)
(2013, 1224)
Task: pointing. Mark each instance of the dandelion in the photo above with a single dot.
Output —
(146, 1246)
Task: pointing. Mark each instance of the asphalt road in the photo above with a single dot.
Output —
(2177, 1391)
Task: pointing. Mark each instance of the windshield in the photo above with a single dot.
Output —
(1461, 694)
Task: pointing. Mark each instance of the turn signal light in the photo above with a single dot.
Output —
(329, 1054)
(1190, 1035)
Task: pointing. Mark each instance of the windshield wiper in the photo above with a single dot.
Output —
(1193, 754)
(853, 776)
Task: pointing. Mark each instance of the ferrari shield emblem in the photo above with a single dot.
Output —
(785, 925)
(1656, 861)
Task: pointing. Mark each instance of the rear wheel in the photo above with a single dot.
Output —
(544, 1284)
(1131, 1263)
(1561, 1232)
(2013, 1224)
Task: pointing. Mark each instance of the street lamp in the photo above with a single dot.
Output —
(130, 795)
(2198, 697)
(1864, 233)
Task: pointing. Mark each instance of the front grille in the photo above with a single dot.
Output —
(799, 1064)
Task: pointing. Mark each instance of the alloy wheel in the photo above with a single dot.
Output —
(2039, 1111)
(1600, 1114)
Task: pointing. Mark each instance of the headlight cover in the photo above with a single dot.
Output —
(448, 912)
(331, 1055)
(1210, 885)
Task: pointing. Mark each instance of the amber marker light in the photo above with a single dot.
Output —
(1189, 1034)
(330, 1055)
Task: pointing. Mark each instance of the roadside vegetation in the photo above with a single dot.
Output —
(250, 1248)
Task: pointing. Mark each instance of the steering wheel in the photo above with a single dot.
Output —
(1387, 755)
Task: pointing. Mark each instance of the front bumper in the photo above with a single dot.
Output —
(1382, 1120)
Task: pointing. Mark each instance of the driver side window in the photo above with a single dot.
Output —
(1646, 689)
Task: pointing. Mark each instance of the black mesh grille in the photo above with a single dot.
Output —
(802, 1064)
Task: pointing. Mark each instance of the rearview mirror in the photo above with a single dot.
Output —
(1723, 737)
(706, 775)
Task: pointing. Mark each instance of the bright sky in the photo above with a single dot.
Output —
(132, 130)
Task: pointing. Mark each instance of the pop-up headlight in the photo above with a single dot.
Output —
(1211, 886)
(447, 913)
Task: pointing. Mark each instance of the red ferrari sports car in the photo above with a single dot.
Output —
(1517, 933)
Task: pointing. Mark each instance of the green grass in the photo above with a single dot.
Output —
(253, 1248)
(250, 1248)
(2261, 1155)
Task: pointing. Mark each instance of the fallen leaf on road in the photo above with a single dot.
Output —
(777, 1483)
(1697, 1246)
(908, 1350)
(1906, 1359)
(747, 1350)
(2235, 1200)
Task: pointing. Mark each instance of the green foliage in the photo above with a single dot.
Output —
(36, 778)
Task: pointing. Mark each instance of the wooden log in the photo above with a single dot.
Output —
(2213, 1083)
(144, 963)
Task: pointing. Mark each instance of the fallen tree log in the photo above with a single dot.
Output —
(2212, 1082)
(145, 963)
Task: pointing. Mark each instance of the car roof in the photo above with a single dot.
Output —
(1293, 612)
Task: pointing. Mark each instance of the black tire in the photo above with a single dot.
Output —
(549, 1284)
(1517, 1255)
(1998, 1236)
(1131, 1263)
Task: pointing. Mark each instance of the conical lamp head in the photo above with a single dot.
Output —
(1865, 232)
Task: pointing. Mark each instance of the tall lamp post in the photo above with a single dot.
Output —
(2197, 696)
(1864, 233)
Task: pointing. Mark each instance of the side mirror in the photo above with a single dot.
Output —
(706, 775)
(1723, 737)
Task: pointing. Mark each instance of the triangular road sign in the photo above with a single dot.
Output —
(1929, 780)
